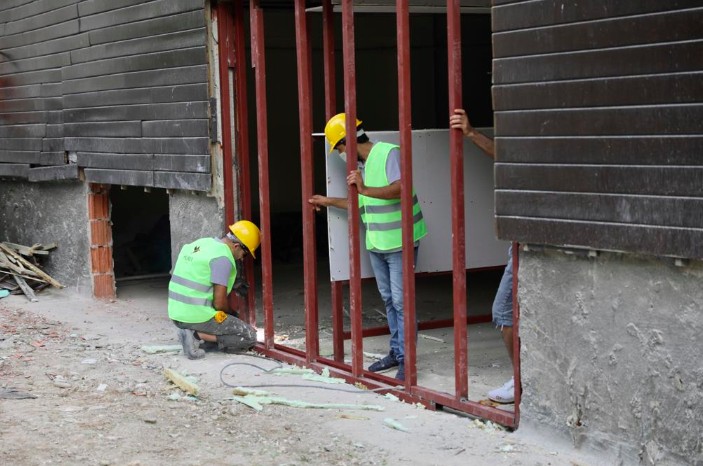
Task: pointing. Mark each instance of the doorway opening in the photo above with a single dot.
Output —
(141, 233)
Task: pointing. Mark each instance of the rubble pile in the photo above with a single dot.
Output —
(21, 271)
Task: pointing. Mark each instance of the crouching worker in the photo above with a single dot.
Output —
(203, 277)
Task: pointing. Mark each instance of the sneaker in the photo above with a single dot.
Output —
(385, 363)
(504, 394)
(400, 375)
(191, 345)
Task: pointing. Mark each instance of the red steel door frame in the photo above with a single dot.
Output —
(231, 46)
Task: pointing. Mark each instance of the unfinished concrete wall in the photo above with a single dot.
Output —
(193, 216)
(47, 213)
(611, 353)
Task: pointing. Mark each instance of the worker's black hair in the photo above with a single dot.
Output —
(362, 138)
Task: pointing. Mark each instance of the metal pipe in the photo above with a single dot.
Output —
(406, 188)
(330, 110)
(241, 126)
(259, 62)
(461, 371)
(353, 210)
(516, 332)
(223, 33)
(312, 340)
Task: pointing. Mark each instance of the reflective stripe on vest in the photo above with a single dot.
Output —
(190, 291)
(382, 217)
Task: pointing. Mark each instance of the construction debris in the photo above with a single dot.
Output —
(255, 399)
(162, 349)
(20, 272)
(256, 402)
(393, 424)
(430, 337)
(180, 381)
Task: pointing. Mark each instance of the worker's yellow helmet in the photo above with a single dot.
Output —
(248, 234)
(336, 130)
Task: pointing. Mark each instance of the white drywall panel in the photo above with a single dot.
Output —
(432, 185)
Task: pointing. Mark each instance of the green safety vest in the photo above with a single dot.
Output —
(382, 217)
(190, 291)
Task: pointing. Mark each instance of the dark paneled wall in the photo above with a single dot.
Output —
(599, 124)
(118, 87)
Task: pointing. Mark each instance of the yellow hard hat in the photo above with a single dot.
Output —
(248, 234)
(336, 130)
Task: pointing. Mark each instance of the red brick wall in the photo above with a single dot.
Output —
(102, 268)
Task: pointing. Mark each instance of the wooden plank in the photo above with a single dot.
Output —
(33, 8)
(28, 292)
(20, 92)
(648, 180)
(91, 7)
(182, 163)
(14, 170)
(40, 273)
(32, 105)
(32, 157)
(651, 120)
(650, 240)
(23, 131)
(163, 94)
(110, 129)
(682, 212)
(48, 47)
(13, 266)
(55, 60)
(57, 16)
(528, 14)
(670, 26)
(186, 181)
(52, 144)
(157, 43)
(30, 144)
(641, 150)
(116, 161)
(8, 4)
(37, 77)
(51, 89)
(56, 173)
(54, 131)
(148, 61)
(615, 91)
(26, 117)
(176, 128)
(629, 61)
(148, 27)
(139, 12)
(28, 251)
(138, 79)
(165, 111)
(68, 28)
(119, 177)
(139, 145)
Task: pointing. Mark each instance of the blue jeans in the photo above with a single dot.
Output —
(388, 269)
(503, 303)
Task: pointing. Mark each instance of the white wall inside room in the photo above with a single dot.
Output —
(431, 180)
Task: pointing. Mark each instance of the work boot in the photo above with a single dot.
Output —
(191, 345)
(400, 375)
(385, 363)
(504, 394)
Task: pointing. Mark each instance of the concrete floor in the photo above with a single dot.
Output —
(489, 366)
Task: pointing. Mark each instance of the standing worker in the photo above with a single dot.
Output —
(503, 302)
(378, 184)
(203, 277)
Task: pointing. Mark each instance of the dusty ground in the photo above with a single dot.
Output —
(76, 387)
